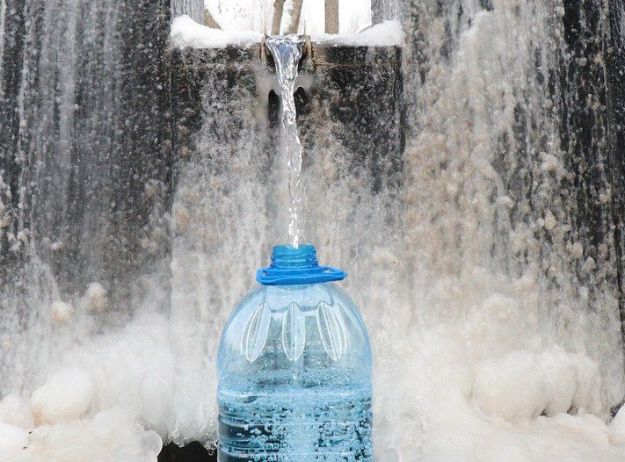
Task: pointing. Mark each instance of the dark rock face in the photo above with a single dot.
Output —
(214, 81)
(361, 89)
(585, 88)
(615, 80)
(85, 136)
(592, 111)
(352, 94)
(193, 452)
(12, 63)
(89, 142)
(89, 147)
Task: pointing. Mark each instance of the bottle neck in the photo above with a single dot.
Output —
(295, 266)
(287, 256)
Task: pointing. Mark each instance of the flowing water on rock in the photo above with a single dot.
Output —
(492, 307)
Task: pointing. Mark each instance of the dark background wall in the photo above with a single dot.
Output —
(591, 64)
(85, 138)
(91, 192)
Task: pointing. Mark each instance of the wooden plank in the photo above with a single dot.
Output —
(295, 17)
(278, 10)
(332, 16)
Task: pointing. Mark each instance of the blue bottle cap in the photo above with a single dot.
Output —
(296, 265)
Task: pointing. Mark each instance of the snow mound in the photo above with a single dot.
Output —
(617, 429)
(386, 34)
(186, 33)
(112, 435)
(67, 395)
(523, 385)
(107, 400)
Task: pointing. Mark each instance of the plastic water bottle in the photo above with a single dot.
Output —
(294, 368)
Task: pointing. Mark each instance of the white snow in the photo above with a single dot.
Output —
(12, 440)
(523, 385)
(15, 411)
(126, 391)
(112, 435)
(61, 312)
(388, 33)
(107, 401)
(257, 15)
(95, 298)
(185, 32)
(617, 429)
(67, 395)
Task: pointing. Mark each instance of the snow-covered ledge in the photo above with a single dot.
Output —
(186, 33)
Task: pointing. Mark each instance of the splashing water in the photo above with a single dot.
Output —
(287, 52)
(493, 319)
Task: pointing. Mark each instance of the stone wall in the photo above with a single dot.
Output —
(85, 136)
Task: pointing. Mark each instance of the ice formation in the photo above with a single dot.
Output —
(477, 356)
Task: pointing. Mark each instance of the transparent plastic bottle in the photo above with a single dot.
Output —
(294, 368)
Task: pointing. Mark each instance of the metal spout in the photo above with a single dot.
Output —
(305, 63)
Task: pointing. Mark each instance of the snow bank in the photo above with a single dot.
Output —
(454, 413)
(126, 392)
(67, 395)
(617, 429)
(186, 33)
(112, 435)
(109, 400)
(12, 441)
(386, 34)
(523, 385)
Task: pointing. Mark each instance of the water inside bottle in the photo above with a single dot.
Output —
(302, 424)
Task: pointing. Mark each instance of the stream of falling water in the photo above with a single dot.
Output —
(287, 52)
